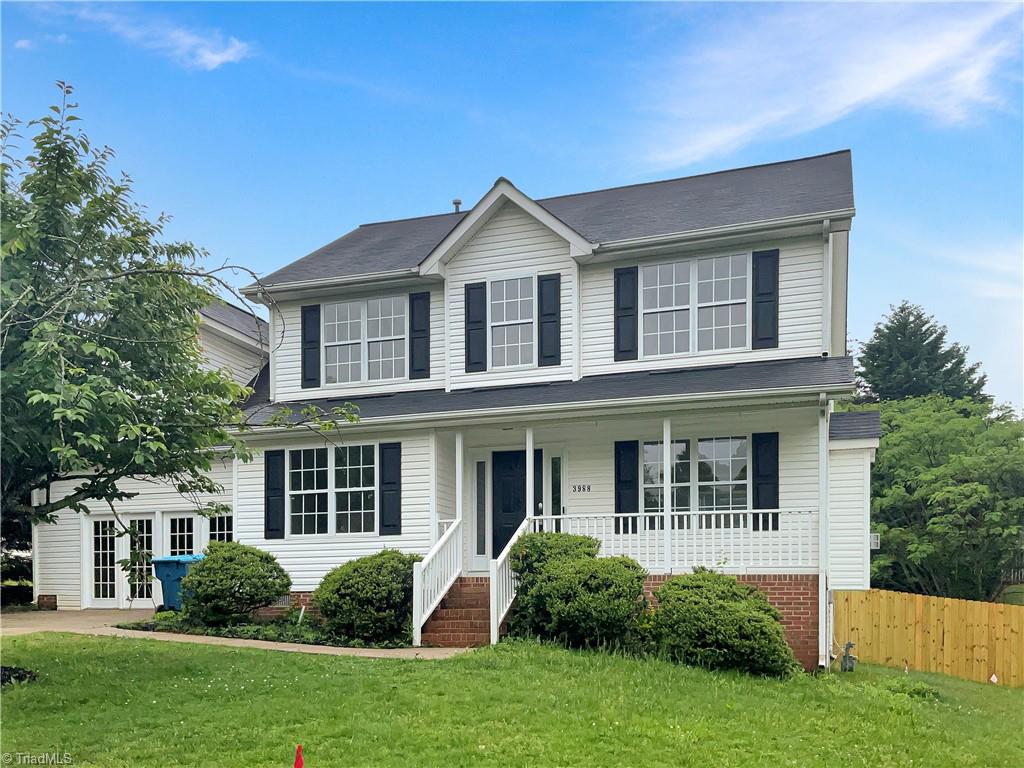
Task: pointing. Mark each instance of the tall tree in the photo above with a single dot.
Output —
(908, 356)
(102, 376)
(948, 497)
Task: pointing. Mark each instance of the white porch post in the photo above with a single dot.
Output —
(459, 458)
(824, 623)
(666, 488)
(531, 509)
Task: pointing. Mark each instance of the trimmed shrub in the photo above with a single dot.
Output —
(527, 558)
(231, 582)
(591, 602)
(710, 620)
(369, 599)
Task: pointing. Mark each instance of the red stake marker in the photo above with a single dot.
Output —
(299, 762)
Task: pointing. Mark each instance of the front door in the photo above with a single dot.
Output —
(508, 496)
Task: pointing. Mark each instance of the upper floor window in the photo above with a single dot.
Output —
(365, 340)
(716, 287)
(512, 325)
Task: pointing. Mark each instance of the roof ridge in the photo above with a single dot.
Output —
(697, 175)
(412, 218)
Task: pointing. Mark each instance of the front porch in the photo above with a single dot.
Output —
(743, 484)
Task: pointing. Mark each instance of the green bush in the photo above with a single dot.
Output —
(710, 620)
(527, 558)
(591, 602)
(369, 599)
(231, 582)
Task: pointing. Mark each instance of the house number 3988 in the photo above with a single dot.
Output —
(581, 488)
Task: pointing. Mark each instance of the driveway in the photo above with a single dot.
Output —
(24, 622)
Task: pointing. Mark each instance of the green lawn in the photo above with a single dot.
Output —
(1014, 595)
(119, 702)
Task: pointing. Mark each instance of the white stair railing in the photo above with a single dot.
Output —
(503, 582)
(433, 576)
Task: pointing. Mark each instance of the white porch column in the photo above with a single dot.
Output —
(824, 623)
(459, 458)
(666, 488)
(531, 509)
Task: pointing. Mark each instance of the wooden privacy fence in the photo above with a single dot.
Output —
(963, 638)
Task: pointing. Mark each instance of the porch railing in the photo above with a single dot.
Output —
(434, 575)
(503, 582)
(741, 541)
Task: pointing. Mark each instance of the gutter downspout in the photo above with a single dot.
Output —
(824, 607)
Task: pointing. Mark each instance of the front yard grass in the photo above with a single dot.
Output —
(121, 702)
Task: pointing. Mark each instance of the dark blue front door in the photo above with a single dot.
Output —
(508, 496)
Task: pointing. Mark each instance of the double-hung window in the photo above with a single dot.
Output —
(307, 485)
(365, 340)
(694, 305)
(652, 474)
(355, 485)
(338, 484)
(511, 310)
(722, 478)
(222, 528)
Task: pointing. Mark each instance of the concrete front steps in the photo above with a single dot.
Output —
(463, 619)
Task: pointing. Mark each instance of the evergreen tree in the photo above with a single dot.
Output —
(908, 356)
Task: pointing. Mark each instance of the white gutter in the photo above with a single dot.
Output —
(729, 229)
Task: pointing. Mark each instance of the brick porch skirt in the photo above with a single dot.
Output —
(285, 604)
(796, 597)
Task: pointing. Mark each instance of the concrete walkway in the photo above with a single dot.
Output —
(100, 622)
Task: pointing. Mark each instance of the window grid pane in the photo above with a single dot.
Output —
(722, 303)
(222, 528)
(103, 572)
(722, 468)
(511, 306)
(652, 474)
(307, 477)
(182, 537)
(355, 486)
(379, 324)
(666, 301)
(140, 577)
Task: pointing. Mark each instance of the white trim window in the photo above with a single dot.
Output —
(365, 340)
(104, 571)
(666, 303)
(307, 490)
(222, 528)
(512, 322)
(723, 479)
(722, 303)
(140, 574)
(653, 478)
(355, 483)
(716, 287)
(182, 536)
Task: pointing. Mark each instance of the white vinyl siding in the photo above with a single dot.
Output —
(308, 558)
(241, 362)
(57, 558)
(286, 357)
(801, 303)
(511, 244)
(849, 502)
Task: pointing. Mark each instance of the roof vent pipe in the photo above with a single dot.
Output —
(457, 203)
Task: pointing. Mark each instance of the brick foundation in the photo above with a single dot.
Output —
(796, 597)
(463, 618)
(285, 604)
(46, 602)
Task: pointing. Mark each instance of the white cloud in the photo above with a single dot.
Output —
(24, 45)
(192, 49)
(777, 73)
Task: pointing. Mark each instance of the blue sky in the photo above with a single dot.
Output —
(267, 130)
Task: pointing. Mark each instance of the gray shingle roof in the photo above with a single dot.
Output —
(855, 425)
(237, 319)
(805, 186)
(828, 372)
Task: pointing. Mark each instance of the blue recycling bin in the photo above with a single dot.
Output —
(170, 571)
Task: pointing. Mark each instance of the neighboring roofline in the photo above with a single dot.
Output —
(253, 290)
(220, 329)
(577, 406)
(501, 192)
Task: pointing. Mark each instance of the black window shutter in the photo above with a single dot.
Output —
(476, 327)
(765, 333)
(310, 346)
(765, 475)
(419, 335)
(549, 319)
(627, 305)
(273, 494)
(390, 488)
(627, 483)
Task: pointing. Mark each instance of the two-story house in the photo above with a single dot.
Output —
(653, 365)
